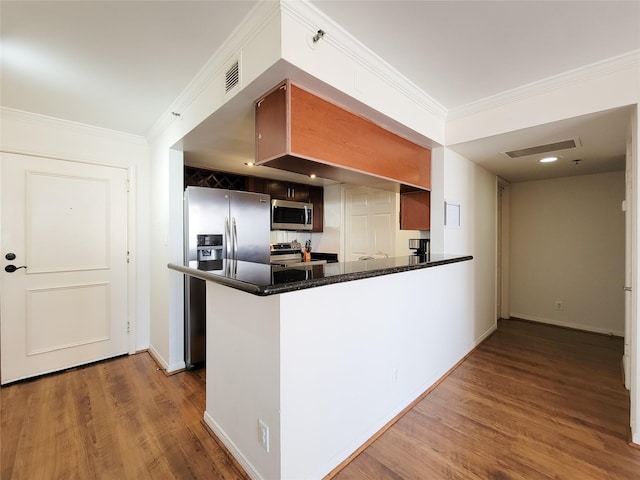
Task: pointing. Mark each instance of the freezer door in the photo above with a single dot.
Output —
(205, 212)
(250, 226)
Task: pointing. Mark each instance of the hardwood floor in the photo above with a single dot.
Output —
(120, 419)
(532, 402)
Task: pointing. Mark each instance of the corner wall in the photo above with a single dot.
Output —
(567, 244)
(458, 180)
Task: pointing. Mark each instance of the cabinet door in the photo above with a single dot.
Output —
(316, 197)
(299, 192)
(415, 211)
(295, 192)
(257, 185)
(278, 190)
(271, 125)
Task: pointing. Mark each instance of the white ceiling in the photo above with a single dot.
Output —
(120, 64)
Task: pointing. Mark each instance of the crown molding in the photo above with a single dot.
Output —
(606, 67)
(307, 14)
(254, 22)
(7, 113)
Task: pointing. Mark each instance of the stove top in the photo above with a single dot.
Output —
(285, 253)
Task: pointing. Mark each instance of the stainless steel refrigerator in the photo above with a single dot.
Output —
(218, 224)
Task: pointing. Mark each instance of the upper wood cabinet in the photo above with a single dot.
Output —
(296, 192)
(300, 132)
(316, 197)
(415, 210)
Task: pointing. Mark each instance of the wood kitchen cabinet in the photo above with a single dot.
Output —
(300, 192)
(277, 189)
(316, 197)
(258, 185)
(415, 210)
(300, 132)
(296, 192)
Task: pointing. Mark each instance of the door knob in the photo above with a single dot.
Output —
(13, 268)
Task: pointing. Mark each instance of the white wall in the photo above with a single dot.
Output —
(633, 328)
(338, 357)
(330, 239)
(309, 368)
(37, 135)
(567, 244)
(243, 333)
(256, 46)
(458, 180)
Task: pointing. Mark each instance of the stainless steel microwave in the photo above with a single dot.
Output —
(287, 215)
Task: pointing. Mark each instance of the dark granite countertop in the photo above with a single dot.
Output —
(262, 279)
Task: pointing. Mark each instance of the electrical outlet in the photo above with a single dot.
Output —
(263, 435)
(559, 305)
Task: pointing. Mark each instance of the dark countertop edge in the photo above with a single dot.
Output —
(315, 282)
(230, 282)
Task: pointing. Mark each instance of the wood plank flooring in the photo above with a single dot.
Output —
(120, 419)
(533, 402)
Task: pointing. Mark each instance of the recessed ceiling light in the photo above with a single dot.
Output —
(249, 164)
(313, 175)
(548, 159)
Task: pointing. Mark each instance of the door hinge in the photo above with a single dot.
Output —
(128, 326)
(128, 257)
(128, 185)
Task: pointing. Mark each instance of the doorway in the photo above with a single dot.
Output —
(64, 230)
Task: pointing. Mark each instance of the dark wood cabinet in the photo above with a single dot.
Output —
(258, 185)
(296, 192)
(316, 197)
(300, 192)
(277, 189)
(415, 210)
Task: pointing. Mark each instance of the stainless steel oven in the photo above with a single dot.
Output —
(287, 215)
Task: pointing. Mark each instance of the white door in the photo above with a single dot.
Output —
(66, 222)
(370, 222)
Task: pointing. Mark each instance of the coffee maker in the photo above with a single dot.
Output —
(421, 248)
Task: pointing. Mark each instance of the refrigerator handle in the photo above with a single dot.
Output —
(235, 239)
(227, 237)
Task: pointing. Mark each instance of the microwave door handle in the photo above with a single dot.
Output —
(306, 216)
(235, 239)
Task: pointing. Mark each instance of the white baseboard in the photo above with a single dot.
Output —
(228, 443)
(575, 326)
(173, 368)
(486, 334)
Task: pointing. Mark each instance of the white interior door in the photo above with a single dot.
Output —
(370, 224)
(66, 222)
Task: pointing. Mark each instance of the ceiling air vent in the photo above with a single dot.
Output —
(550, 147)
(232, 77)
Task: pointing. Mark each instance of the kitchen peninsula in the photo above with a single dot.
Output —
(305, 364)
